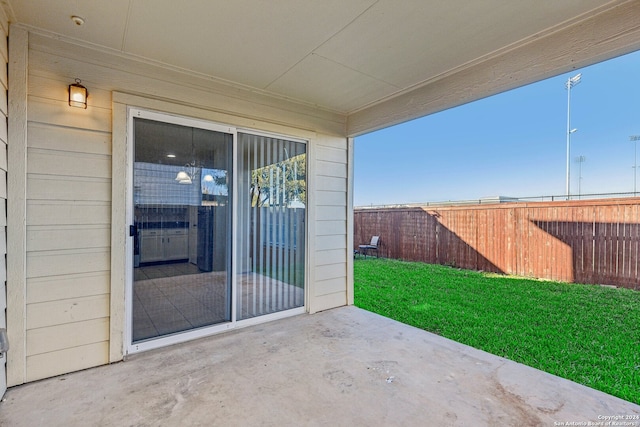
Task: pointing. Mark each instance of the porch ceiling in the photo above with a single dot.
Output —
(345, 56)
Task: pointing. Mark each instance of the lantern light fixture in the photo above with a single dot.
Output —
(78, 95)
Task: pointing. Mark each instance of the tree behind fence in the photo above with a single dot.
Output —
(583, 241)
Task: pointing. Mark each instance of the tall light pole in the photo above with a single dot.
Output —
(635, 139)
(580, 160)
(571, 82)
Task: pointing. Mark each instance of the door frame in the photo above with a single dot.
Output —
(162, 341)
(128, 346)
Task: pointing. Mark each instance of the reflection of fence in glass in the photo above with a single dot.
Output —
(282, 228)
(280, 244)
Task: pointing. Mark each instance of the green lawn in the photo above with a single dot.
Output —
(588, 334)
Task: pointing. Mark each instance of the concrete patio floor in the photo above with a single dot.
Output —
(342, 367)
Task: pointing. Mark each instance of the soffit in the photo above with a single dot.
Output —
(339, 55)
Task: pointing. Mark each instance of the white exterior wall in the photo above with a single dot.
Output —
(331, 223)
(4, 31)
(68, 312)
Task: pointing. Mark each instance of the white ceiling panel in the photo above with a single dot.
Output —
(407, 45)
(105, 21)
(341, 55)
(245, 41)
(329, 83)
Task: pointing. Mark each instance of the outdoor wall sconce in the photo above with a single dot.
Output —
(78, 95)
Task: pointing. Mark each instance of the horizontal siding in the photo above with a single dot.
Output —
(3, 95)
(68, 229)
(3, 147)
(42, 187)
(331, 271)
(68, 335)
(4, 49)
(330, 286)
(68, 360)
(72, 310)
(54, 138)
(55, 263)
(54, 88)
(54, 288)
(4, 26)
(324, 243)
(331, 198)
(4, 131)
(64, 163)
(335, 153)
(67, 213)
(327, 228)
(58, 113)
(330, 257)
(332, 300)
(3, 181)
(330, 183)
(331, 213)
(51, 238)
(332, 169)
(3, 270)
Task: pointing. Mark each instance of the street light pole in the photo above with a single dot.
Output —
(571, 82)
(580, 160)
(635, 139)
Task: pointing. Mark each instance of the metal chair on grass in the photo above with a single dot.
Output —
(372, 246)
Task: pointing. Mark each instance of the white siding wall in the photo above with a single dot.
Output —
(73, 304)
(68, 227)
(330, 226)
(4, 57)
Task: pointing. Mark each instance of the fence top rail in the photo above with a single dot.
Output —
(501, 205)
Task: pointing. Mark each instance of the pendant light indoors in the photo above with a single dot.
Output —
(186, 175)
(183, 177)
(190, 171)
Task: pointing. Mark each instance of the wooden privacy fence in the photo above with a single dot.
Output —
(583, 241)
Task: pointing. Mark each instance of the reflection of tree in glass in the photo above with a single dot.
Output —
(280, 184)
(214, 182)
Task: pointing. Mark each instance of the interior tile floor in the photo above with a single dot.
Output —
(176, 297)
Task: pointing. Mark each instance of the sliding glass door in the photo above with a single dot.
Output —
(272, 199)
(218, 228)
(182, 227)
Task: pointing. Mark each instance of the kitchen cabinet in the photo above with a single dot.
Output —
(151, 248)
(164, 244)
(176, 244)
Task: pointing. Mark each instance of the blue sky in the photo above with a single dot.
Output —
(511, 144)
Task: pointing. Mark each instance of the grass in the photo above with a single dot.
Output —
(585, 333)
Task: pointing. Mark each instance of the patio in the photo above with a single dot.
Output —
(344, 366)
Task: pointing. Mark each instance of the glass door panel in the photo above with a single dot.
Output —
(271, 225)
(182, 242)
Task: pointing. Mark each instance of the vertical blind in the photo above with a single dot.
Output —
(271, 225)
